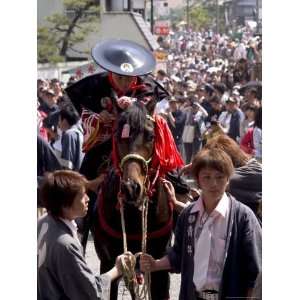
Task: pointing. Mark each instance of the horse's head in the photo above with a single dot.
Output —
(134, 143)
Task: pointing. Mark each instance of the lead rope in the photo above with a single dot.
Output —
(146, 287)
(127, 270)
(141, 291)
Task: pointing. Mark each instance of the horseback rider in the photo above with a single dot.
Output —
(100, 98)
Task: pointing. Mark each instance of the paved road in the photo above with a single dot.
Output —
(94, 264)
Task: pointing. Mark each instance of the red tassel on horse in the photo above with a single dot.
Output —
(165, 151)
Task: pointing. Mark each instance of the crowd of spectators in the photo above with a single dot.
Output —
(214, 86)
(59, 123)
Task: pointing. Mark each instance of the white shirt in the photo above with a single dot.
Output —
(224, 119)
(240, 52)
(71, 224)
(257, 143)
(73, 227)
(217, 223)
(161, 106)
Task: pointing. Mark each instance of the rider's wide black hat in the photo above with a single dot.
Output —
(123, 57)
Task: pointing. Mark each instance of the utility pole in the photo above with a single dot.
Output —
(145, 6)
(129, 5)
(257, 11)
(217, 16)
(187, 13)
(152, 17)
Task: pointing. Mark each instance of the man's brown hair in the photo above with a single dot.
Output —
(59, 190)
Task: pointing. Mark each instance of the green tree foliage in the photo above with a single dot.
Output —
(64, 31)
(177, 15)
(174, 12)
(199, 18)
(211, 8)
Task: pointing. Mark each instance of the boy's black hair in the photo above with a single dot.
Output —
(69, 113)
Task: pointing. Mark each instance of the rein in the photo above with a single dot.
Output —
(133, 237)
(141, 290)
(129, 273)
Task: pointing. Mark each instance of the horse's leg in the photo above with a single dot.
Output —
(160, 285)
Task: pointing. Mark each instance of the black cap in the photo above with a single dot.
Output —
(123, 57)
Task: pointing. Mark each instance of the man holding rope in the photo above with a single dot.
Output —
(62, 270)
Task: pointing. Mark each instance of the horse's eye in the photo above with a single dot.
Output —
(149, 136)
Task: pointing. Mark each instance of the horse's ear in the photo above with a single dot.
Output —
(149, 117)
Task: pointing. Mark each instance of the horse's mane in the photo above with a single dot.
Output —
(135, 117)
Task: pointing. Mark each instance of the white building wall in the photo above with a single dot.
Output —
(128, 30)
(123, 27)
(47, 8)
(89, 42)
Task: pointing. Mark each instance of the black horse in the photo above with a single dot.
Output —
(135, 178)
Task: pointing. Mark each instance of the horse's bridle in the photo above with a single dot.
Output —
(137, 157)
(147, 184)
